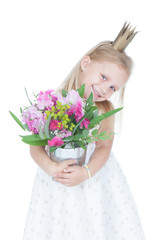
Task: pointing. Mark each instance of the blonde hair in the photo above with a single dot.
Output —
(100, 52)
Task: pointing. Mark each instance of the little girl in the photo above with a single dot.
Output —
(93, 201)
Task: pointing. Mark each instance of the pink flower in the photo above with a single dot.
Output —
(46, 99)
(77, 110)
(85, 123)
(53, 125)
(56, 141)
(73, 97)
(33, 118)
(62, 99)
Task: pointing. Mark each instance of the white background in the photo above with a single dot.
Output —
(40, 42)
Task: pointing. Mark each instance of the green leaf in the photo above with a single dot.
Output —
(74, 137)
(94, 139)
(81, 144)
(94, 108)
(34, 140)
(36, 143)
(102, 133)
(104, 137)
(41, 133)
(17, 120)
(94, 132)
(46, 127)
(26, 127)
(90, 115)
(33, 137)
(95, 113)
(99, 118)
(85, 132)
(27, 96)
(89, 141)
(35, 95)
(64, 93)
(90, 99)
(81, 90)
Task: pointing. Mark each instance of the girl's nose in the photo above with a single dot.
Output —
(106, 93)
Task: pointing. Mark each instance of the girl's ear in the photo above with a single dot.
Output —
(85, 62)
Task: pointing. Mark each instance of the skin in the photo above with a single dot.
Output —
(114, 78)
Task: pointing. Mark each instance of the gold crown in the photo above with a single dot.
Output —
(123, 38)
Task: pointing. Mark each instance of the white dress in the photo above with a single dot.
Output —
(100, 208)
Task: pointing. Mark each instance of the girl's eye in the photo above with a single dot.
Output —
(103, 77)
(113, 88)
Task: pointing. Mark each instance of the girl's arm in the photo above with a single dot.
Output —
(99, 157)
(40, 156)
(103, 148)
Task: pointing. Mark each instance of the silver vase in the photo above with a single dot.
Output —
(68, 153)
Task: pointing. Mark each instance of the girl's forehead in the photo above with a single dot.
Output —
(108, 66)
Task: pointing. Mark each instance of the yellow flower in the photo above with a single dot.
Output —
(47, 112)
(52, 108)
(67, 106)
(55, 116)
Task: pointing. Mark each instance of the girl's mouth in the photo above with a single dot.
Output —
(95, 91)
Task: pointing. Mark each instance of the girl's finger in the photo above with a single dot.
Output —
(61, 175)
(73, 161)
(63, 181)
(69, 169)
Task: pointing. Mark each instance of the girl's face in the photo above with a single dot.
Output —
(102, 78)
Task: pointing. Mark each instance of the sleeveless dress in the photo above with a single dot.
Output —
(100, 208)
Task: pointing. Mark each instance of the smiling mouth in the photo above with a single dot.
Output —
(95, 91)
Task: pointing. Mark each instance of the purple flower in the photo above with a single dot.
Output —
(33, 118)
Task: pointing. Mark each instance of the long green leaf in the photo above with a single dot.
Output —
(90, 99)
(33, 137)
(95, 113)
(46, 128)
(36, 143)
(27, 96)
(26, 127)
(17, 120)
(41, 133)
(99, 118)
(81, 90)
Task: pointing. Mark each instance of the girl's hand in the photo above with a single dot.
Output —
(64, 164)
(72, 176)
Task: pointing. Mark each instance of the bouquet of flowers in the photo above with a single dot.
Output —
(56, 120)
